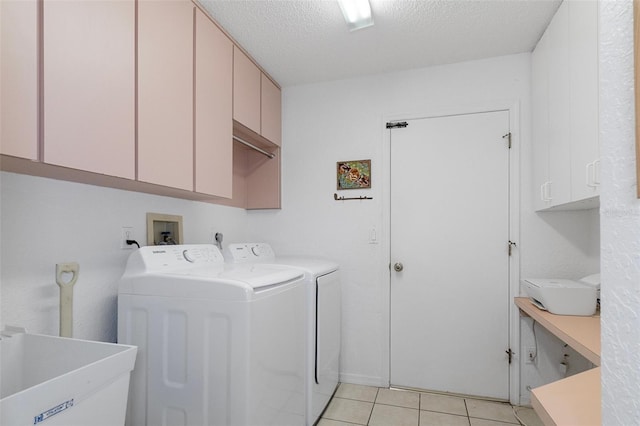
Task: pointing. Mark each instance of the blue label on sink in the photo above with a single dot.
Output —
(52, 411)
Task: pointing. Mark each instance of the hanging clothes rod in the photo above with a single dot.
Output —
(252, 146)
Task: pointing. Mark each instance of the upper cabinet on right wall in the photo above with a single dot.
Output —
(583, 75)
(564, 82)
(256, 99)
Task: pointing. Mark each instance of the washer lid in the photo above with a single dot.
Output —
(198, 271)
(212, 283)
(255, 276)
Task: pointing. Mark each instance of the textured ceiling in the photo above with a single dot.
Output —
(305, 41)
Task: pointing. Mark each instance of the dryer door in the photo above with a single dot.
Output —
(327, 342)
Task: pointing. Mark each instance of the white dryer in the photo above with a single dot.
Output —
(217, 345)
(323, 318)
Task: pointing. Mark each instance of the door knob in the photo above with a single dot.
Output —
(398, 267)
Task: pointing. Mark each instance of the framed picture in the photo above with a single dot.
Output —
(353, 174)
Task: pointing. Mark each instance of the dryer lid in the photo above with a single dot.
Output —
(312, 265)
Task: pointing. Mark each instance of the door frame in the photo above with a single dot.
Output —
(513, 107)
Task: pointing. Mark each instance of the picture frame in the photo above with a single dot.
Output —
(353, 174)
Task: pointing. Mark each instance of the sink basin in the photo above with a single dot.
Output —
(60, 381)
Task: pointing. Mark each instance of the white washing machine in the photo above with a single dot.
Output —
(217, 345)
(323, 318)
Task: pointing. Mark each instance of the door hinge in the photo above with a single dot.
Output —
(510, 354)
(511, 245)
(397, 124)
(508, 136)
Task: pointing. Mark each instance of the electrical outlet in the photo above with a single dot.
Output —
(531, 355)
(128, 233)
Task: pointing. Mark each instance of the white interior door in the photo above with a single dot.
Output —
(450, 231)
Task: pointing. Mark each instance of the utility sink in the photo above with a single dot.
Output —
(60, 381)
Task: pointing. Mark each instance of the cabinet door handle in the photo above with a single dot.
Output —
(591, 175)
(546, 192)
(596, 172)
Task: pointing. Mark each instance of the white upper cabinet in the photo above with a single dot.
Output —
(585, 148)
(540, 117)
(564, 98)
(559, 135)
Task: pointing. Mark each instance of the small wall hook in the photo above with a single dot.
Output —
(362, 197)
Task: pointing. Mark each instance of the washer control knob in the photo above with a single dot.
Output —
(189, 256)
(398, 267)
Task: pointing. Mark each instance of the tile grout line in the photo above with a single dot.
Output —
(467, 410)
(373, 406)
(421, 397)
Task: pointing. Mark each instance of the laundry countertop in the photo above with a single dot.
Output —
(574, 400)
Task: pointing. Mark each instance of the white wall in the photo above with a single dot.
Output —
(343, 120)
(620, 211)
(44, 222)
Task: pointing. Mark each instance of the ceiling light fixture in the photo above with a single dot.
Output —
(357, 13)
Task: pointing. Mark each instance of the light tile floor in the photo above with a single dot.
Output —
(371, 406)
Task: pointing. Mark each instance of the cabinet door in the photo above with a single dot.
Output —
(558, 105)
(271, 111)
(583, 42)
(246, 91)
(213, 114)
(165, 92)
(19, 78)
(540, 121)
(89, 85)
